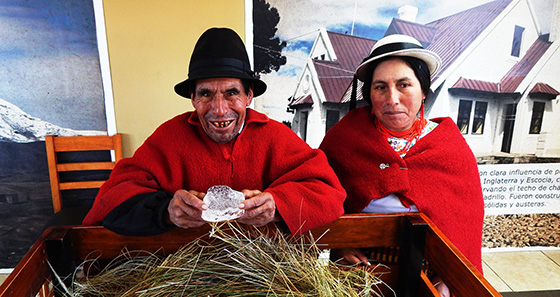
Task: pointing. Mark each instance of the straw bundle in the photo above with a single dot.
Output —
(236, 262)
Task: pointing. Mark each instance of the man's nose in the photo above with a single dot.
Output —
(219, 105)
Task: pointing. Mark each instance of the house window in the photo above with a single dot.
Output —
(536, 119)
(464, 115)
(332, 118)
(517, 38)
(479, 117)
(303, 125)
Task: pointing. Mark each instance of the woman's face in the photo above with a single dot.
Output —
(396, 95)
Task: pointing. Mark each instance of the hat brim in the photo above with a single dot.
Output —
(183, 88)
(431, 59)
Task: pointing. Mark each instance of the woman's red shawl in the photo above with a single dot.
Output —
(439, 175)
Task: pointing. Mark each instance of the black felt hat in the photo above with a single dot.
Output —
(220, 52)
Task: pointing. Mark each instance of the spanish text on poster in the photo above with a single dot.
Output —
(520, 188)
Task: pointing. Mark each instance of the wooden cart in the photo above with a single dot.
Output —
(64, 248)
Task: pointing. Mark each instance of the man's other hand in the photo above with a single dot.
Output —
(260, 208)
(185, 209)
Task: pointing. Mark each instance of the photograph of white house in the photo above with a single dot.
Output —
(499, 79)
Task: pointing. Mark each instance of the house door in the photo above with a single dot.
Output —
(303, 125)
(509, 121)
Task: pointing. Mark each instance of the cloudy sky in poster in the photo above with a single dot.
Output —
(49, 64)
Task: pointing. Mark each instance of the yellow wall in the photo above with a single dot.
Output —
(150, 43)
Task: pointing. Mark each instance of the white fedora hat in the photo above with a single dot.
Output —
(399, 45)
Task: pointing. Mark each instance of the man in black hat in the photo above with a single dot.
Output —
(223, 142)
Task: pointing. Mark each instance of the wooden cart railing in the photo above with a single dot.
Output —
(64, 248)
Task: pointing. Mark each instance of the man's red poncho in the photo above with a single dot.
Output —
(439, 174)
(266, 156)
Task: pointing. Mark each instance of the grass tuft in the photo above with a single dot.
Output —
(235, 261)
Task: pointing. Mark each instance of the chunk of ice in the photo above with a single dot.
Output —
(222, 204)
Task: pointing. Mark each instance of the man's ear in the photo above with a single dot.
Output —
(193, 102)
(249, 97)
(192, 89)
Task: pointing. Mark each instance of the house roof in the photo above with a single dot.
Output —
(513, 78)
(490, 87)
(424, 34)
(334, 80)
(476, 85)
(301, 100)
(349, 49)
(449, 37)
(519, 71)
(336, 76)
(543, 89)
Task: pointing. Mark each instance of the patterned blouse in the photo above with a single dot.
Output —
(398, 143)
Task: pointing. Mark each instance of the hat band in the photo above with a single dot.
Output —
(219, 64)
(393, 47)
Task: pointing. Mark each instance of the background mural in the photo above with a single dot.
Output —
(50, 83)
(499, 84)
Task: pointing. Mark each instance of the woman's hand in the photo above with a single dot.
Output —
(349, 257)
(441, 287)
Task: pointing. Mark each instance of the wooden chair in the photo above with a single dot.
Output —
(57, 146)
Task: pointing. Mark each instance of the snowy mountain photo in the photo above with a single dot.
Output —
(18, 126)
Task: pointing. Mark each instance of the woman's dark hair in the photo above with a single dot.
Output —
(418, 66)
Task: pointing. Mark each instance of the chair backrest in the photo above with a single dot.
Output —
(61, 144)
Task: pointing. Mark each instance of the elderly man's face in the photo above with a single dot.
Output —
(221, 105)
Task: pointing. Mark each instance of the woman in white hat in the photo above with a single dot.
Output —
(389, 158)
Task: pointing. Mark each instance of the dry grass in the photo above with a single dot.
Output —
(235, 262)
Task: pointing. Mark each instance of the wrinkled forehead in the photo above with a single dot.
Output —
(221, 83)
